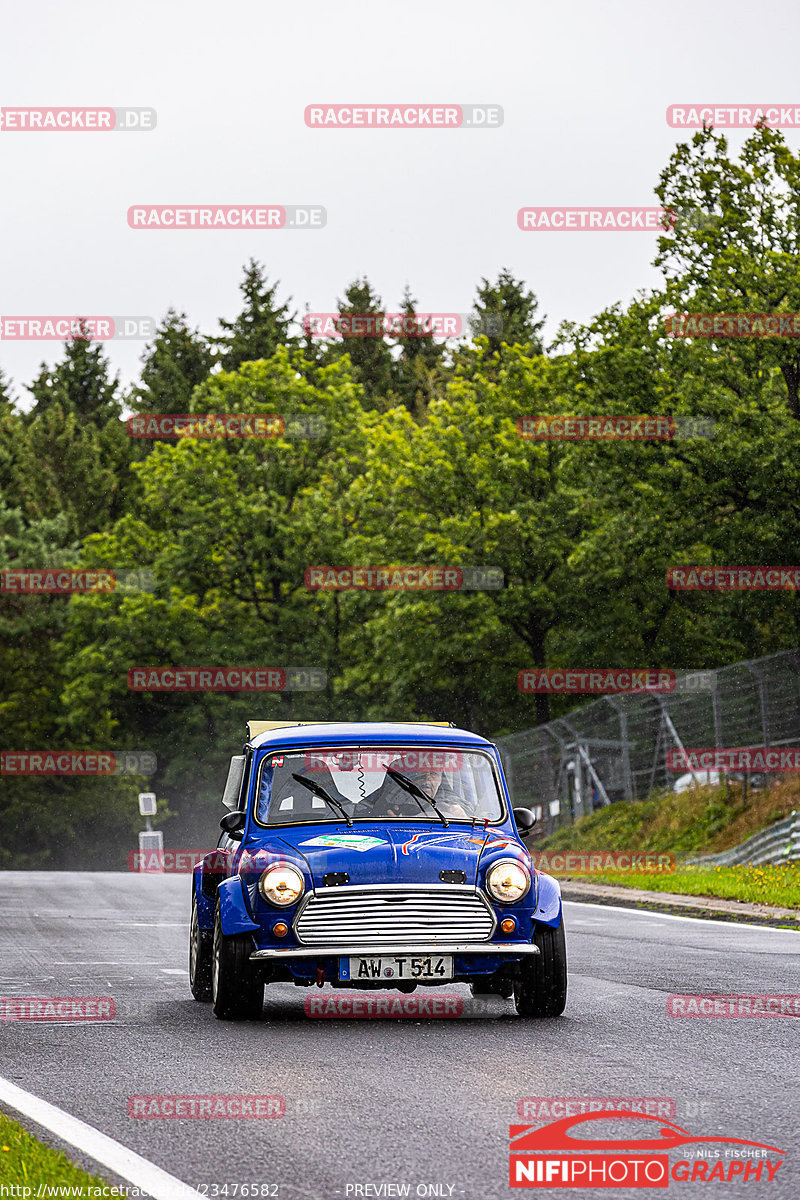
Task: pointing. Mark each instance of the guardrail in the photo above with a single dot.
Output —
(778, 843)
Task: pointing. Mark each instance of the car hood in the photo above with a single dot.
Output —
(375, 853)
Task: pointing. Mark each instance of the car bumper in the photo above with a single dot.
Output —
(496, 949)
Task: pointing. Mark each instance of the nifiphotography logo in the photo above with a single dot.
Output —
(551, 1156)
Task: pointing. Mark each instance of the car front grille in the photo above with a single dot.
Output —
(374, 915)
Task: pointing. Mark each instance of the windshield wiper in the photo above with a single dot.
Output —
(418, 794)
(318, 790)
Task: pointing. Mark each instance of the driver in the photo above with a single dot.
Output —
(394, 801)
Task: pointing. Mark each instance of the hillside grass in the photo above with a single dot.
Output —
(698, 821)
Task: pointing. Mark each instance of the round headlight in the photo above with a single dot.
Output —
(507, 881)
(281, 885)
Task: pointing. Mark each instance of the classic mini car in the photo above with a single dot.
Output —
(373, 856)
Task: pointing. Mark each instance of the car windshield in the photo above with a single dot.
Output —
(372, 783)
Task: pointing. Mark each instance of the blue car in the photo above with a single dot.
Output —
(373, 856)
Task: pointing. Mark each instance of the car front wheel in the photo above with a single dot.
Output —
(200, 950)
(541, 989)
(236, 989)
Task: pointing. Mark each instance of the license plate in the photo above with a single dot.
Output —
(430, 966)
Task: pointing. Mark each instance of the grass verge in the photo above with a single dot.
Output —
(778, 885)
(29, 1164)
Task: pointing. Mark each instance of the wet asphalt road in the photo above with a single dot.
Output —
(404, 1102)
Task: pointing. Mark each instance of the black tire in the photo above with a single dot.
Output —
(200, 950)
(541, 989)
(237, 990)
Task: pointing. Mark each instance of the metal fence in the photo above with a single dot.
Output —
(778, 843)
(616, 747)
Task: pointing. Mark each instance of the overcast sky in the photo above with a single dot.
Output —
(584, 86)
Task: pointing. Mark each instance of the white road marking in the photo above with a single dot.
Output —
(639, 912)
(174, 971)
(103, 1149)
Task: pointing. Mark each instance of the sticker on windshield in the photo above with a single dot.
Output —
(347, 841)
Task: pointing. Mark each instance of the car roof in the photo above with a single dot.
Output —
(335, 733)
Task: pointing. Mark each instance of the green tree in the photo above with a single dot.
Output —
(174, 363)
(224, 524)
(506, 313)
(419, 367)
(461, 489)
(261, 327)
(6, 398)
(80, 384)
(371, 356)
(744, 256)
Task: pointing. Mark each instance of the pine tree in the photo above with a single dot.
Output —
(175, 362)
(6, 398)
(262, 325)
(79, 384)
(371, 356)
(419, 367)
(505, 312)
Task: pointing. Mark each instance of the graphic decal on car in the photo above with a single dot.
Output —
(437, 839)
(345, 841)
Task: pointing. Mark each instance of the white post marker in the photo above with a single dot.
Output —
(147, 804)
(103, 1149)
(151, 851)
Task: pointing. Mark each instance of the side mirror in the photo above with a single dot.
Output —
(233, 784)
(233, 824)
(525, 820)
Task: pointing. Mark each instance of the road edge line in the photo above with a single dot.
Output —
(126, 1163)
(654, 902)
